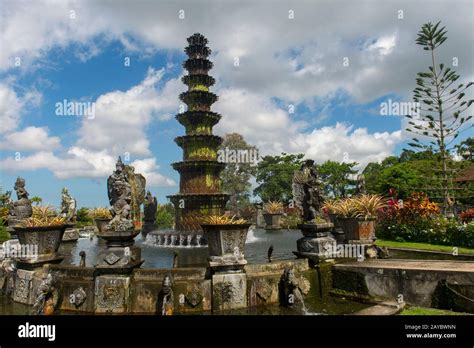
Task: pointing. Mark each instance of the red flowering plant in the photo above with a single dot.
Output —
(291, 217)
(467, 215)
(408, 220)
(416, 207)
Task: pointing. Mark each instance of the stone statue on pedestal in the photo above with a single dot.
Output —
(68, 206)
(47, 297)
(306, 191)
(22, 207)
(126, 186)
(149, 209)
(165, 302)
(120, 197)
(360, 185)
(315, 228)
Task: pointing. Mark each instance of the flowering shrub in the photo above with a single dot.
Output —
(467, 215)
(291, 218)
(418, 206)
(419, 220)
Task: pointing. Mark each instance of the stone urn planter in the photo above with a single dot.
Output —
(101, 224)
(272, 221)
(358, 229)
(45, 238)
(338, 232)
(226, 244)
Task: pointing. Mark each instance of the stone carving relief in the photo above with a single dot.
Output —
(47, 297)
(264, 288)
(23, 284)
(110, 295)
(230, 292)
(78, 297)
(194, 297)
(228, 241)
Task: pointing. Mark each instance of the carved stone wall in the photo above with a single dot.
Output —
(112, 294)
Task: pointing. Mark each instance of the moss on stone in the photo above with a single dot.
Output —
(350, 281)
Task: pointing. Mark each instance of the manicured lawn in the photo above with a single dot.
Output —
(429, 311)
(421, 246)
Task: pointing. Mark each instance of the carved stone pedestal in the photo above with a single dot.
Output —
(70, 235)
(119, 255)
(23, 287)
(226, 245)
(316, 244)
(229, 291)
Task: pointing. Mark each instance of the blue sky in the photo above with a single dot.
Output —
(287, 63)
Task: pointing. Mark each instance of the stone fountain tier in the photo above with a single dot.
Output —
(192, 119)
(194, 207)
(193, 290)
(175, 239)
(119, 255)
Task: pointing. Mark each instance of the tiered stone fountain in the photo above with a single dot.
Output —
(200, 191)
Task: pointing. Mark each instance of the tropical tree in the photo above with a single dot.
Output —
(165, 215)
(275, 176)
(36, 200)
(238, 172)
(465, 149)
(338, 178)
(439, 117)
(83, 217)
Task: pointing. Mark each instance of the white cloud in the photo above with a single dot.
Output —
(343, 143)
(79, 162)
(118, 127)
(10, 107)
(320, 38)
(293, 60)
(257, 118)
(384, 44)
(149, 169)
(121, 117)
(30, 139)
(273, 131)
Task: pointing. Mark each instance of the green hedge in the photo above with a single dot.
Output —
(439, 231)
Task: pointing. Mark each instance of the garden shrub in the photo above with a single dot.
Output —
(467, 215)
(4, 235)
(419, 220)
